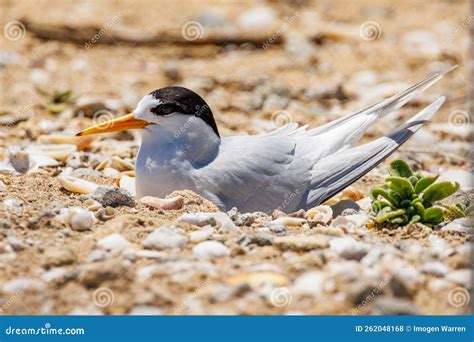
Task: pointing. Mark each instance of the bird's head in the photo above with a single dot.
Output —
(158, 108)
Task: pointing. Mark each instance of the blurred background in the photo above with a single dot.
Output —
(259, 64)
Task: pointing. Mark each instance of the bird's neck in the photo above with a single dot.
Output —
(182, 139)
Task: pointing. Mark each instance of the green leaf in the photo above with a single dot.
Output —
(433, 215)
(438, 191)
(385, 215)
(419, 208)
(400, 168)
(425, 182)
(392, 198)
(415, 218)
(401, 186)
(378, 205)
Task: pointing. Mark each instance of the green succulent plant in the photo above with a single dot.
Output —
(408, 197)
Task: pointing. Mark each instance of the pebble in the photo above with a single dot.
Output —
(54, 274)
(15, 243)
(164, 238)
(344, 207)
(173, 203)
(394, 307)
(257, 18)
(309, 283)
(462, 277)
(435, 268)
(241, 219)
(114, 242)
(349, 248)
(78, 218)
(321, 213)
(219, 220)
(459, 225)
(22, 284)
(301, 242)
(112, 196)
(58, 256)
(20, 161)
(210, 250)
(288, 221)
(278, 228)
(94, 274)
(201, 235)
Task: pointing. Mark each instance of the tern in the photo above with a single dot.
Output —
(289, 168)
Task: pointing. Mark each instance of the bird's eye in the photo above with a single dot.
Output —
(165, 109)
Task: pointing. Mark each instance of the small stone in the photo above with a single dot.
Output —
(22, 284)
(114, 242)
(400, 287)
(288, 221)
(436, 268)
(321, 213)
(20, 161)
(278, 228)
(344, 207)
(94, 274)
(198, 219)
(241, 219)
(96, 255)
(301, 242)
(310, 283)
(78, 218)
(164, 238)
(112, 196)
(58, 256)
(461, 225)
(15, 243)
(257, 18)
(54, 275)
(462, 277)
(211, 250)
(349, 248)
(394, 307)
(173, 203)
(201, 235)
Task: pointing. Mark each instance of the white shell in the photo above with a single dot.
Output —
(289, 221)
(77, 185)
(78, 218)
(59, 152)
(321, 213)
(128, 183)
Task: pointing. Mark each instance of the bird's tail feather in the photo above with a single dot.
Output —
(375, 111)
(339, 170)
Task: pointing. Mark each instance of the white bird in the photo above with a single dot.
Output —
(288, 169)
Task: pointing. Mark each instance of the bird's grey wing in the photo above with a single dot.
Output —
(337, 171)
(347, 131)
(256, 173)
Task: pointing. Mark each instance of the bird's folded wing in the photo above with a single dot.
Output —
(337, 171)
(256, 172)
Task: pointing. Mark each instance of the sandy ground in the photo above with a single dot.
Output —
(327, 66)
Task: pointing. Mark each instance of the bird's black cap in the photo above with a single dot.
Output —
(183, 100)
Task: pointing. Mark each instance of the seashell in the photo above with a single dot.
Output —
(20, 160)
(111, 172)
(82, 143)
(43, 161)
(163, 203)
(351, 194)
(78, 218)
(127, 183)
(116, 163)
(77, 185)
(321, 213)
(288, 221)
(105, 214)
(121, 165)
(59, 152)
(92, 204)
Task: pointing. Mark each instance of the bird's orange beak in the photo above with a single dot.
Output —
(116, 125)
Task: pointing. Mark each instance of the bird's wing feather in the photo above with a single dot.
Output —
(347, 131)
(335, 172)
(256, 172)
